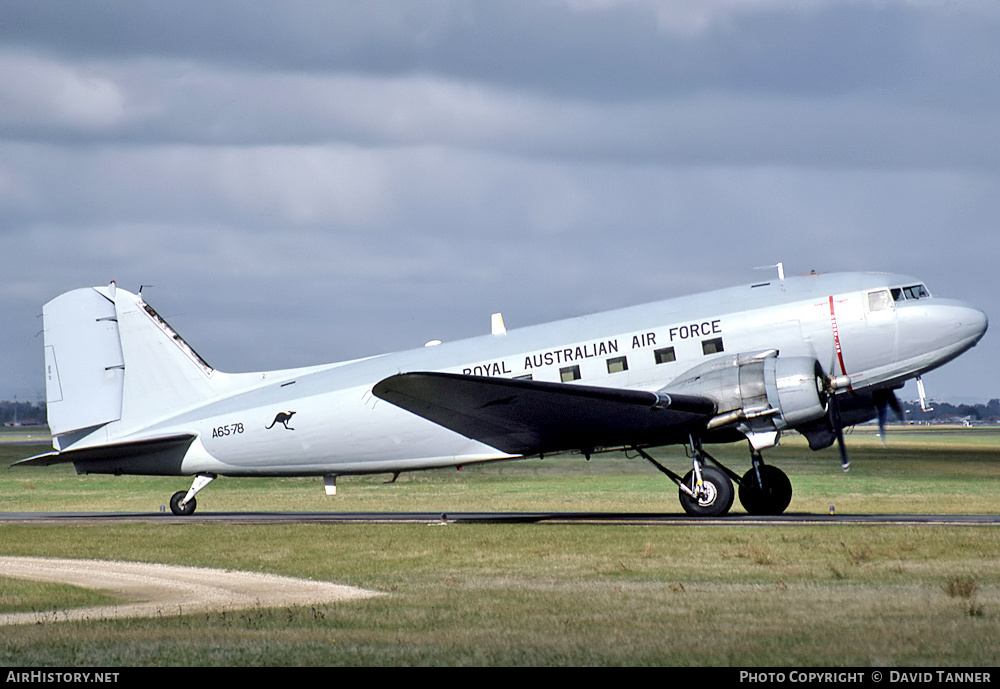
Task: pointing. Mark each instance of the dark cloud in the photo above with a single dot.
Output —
(309, 181)
(603, 51)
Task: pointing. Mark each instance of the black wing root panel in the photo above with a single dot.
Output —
(533, 417)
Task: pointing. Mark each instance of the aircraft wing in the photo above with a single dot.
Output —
(532, 417)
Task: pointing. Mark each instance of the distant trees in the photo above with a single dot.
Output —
(24, 413)
(943, 411)
(31, 413)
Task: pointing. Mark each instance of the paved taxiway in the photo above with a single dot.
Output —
(154, 590)
(498, 518)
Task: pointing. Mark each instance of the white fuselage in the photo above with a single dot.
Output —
(324, 420)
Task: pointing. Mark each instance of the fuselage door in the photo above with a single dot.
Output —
(879, 344)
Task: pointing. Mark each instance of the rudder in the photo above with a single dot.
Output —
(84, 364)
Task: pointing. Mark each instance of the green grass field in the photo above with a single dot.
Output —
(546, 594)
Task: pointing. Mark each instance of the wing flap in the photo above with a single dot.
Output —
(534, 417)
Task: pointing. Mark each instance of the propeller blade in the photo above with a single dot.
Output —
(896, 406)
(883, 411)
(834, 413)
(845, 463)
(884, 401)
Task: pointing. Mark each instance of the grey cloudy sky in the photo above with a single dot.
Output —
(303, 182)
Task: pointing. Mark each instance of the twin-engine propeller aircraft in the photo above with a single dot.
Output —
(814, 354)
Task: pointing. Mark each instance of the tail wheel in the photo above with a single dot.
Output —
(715, 498)
(175, 504)
(768, 495)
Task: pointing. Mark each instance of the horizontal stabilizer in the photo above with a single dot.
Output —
(153, 456)
(533, 417)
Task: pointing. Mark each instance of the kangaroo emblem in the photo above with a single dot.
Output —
(283, 418)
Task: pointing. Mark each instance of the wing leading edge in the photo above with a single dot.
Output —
(533, 417)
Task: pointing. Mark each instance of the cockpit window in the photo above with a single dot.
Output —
(879, 300)
(910, 293)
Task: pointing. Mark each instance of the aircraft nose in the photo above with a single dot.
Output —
(966, 321)
(973, 320)
(938, 330)
(983, 322)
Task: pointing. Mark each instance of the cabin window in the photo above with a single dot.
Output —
(879, 300)
(526, 376)
(569, 373)
(713, 346)
(665, 355)
(617, 365)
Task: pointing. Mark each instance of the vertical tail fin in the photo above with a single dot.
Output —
(84, 366)
(110, 357)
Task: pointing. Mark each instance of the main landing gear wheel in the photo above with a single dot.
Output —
(175, 504)
(716, 497)
(768, 496)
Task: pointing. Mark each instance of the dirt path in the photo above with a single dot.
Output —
(167, 589)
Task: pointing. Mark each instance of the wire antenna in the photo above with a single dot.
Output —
(779, 266)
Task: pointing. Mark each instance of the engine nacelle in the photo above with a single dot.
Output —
(759, 390)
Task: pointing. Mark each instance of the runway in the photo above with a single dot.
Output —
(442, 518)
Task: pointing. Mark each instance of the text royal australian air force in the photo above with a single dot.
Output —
(534, 362)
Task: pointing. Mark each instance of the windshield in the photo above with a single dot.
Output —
(909, 293)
